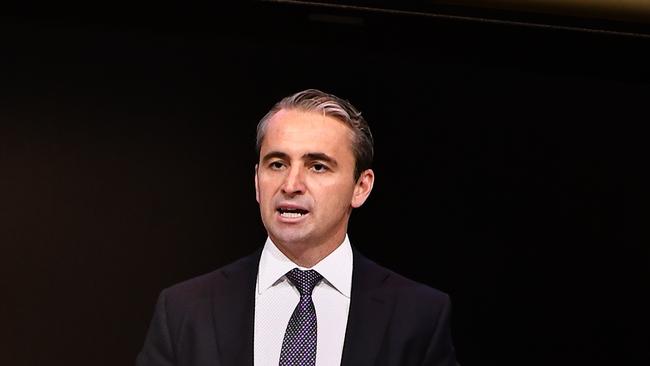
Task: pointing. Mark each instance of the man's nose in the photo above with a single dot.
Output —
(294, 182)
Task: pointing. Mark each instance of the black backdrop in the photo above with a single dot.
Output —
(510, 163)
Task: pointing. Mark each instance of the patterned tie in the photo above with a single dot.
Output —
(299, 345)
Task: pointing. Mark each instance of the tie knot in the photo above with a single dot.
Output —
(305, 281)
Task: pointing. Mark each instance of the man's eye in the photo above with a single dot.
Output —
(319, 167)
(276, 165)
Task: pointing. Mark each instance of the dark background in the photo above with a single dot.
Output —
(511, 159)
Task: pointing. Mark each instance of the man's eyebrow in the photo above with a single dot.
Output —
(275, 154)
(315, 156)
(321, 157)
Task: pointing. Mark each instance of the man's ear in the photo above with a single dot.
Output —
(257, 186)
(363, 187)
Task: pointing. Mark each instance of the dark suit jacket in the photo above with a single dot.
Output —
(209, 320)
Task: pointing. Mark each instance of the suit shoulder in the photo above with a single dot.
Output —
(408, 287)
(417, 289)
(202, 286)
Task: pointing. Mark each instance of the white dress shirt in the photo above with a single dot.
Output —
(276, 298)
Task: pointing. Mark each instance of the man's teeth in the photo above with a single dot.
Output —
(290, 214)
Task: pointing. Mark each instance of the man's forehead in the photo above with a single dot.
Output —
(295, 115)
(297, 133)
(310, 125)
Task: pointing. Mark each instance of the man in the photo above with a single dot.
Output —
(307, 297)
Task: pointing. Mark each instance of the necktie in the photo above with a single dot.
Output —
(299, 345)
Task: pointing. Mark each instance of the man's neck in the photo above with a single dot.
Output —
(305, 255)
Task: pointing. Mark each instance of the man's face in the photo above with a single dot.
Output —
(304, 180)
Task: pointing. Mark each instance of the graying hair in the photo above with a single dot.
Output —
(313, 100)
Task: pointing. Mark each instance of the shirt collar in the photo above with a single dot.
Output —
(336, 268)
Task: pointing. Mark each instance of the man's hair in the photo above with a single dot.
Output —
(313, 100)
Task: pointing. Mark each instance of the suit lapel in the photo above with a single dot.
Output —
(371, 305)
(233, 311)
(233, 301)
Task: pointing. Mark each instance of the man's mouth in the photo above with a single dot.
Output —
(291, 212)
